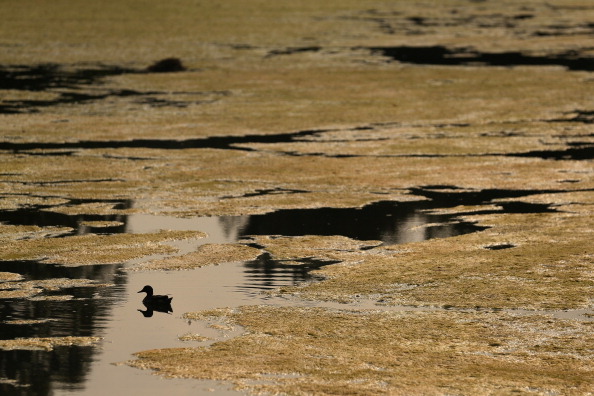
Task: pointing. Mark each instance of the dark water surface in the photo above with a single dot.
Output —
(113, 312)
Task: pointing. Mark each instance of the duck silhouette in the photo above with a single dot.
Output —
(154, 302)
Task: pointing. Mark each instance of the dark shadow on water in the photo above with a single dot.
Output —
(265, 273)
(68, 86)
(393, 222)
(575, 151)
(501, 246)
(216, 142)
(388, 222)
(43, 216)
(578, 151)
(82, 315)
(152, 308)
(50, 75)
(38, 371)
(440, 55)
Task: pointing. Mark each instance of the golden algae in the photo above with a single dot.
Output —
(209, 254)
(93, 249)
(305, 350)
(47, 343)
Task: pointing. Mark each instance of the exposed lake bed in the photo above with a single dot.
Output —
(364, 197)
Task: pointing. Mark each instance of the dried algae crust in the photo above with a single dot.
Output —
(384, 128)
(209, 254)
(17, 288)
(93, 249)
(47, 343)
(319, 351)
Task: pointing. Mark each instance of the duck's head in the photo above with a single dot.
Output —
(147, 289)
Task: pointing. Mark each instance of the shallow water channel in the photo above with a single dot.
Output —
(115, 313)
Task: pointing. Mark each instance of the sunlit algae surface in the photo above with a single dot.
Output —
(328, 104)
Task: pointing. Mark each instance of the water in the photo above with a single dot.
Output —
(113, 312)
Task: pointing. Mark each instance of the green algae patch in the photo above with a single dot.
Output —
(315, 350)
(94, 249)
(47, 343)
(208, 254)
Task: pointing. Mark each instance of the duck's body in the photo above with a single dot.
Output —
(154, 299)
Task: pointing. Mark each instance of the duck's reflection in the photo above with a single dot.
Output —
(164, 307)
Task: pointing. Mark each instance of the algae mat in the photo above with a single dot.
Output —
(293, 105)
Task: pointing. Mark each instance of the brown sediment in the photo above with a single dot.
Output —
(9, 233)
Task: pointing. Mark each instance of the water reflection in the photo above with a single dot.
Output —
(88, 309)
(264, 273)
(44, 216)
(152, 307)
(390, 222)
(36, 372)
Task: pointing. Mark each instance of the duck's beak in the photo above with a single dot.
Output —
(140, 291)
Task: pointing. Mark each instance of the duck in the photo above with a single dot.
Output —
(151, 299)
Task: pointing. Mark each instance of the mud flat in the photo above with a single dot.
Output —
(410, 184)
